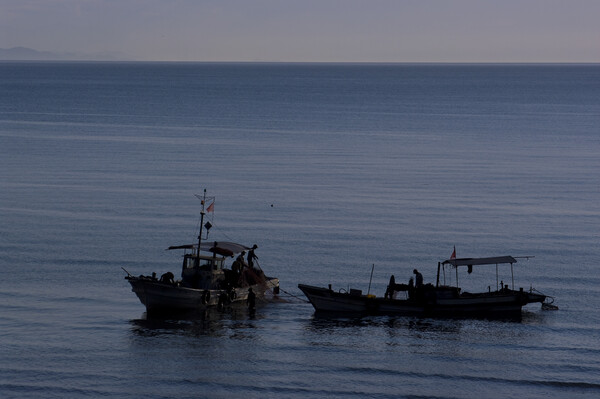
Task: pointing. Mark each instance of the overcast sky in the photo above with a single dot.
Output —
(310, 30)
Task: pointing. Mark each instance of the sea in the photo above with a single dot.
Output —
(342, 174)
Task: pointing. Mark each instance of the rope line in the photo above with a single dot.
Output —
(295, 296)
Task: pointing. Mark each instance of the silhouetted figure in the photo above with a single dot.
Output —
(389, 292)
(239, 263)
(251, 300)
(418, 279)
(252, 256)
(240, 258)
(168, 277)
(418, 285)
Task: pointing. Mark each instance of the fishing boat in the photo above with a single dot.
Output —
(206, 280)
(430, 300)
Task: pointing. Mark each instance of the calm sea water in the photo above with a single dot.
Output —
(331, 170)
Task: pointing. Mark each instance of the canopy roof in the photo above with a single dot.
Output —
(496, 260)
(224, 248)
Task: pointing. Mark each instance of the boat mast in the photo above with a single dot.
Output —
(202, 201)
(512, 274)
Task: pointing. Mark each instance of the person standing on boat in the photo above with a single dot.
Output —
(418, 279)
(252, 256)
(239, 263)
(391, 288)
(240, 258)
(418, 285)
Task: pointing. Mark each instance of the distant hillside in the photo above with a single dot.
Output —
(24, 53)
(28, 54)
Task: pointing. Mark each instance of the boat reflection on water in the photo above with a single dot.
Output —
(329, 322)
(358, 319)
(233, 320)
(206, 322)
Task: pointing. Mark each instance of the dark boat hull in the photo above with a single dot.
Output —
(501, 303)
(161, 297)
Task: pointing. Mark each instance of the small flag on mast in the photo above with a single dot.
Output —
(453, 256)
(211, 207)
(205, 200)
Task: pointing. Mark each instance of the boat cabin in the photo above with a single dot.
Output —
(208, 272)
(202, 272)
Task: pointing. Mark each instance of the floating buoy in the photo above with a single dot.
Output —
(549, 306)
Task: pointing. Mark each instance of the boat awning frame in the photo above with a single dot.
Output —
(225, 248)
(496, 260)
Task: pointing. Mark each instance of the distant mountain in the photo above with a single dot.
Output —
(28, 54)
(24, 53)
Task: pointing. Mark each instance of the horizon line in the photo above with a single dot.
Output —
(311, 62)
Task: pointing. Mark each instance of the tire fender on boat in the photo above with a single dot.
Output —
(205, 297)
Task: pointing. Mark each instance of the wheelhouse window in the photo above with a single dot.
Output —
(205, 263)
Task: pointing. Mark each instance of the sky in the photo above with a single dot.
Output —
(309, 30)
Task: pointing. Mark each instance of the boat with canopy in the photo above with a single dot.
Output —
(206, 280)
(432, 300)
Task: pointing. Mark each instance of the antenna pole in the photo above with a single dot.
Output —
(200, 232)
(371, 279)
